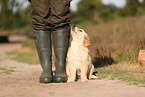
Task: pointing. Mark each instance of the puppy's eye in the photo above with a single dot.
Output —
(80, 30)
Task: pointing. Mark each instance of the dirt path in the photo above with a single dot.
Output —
(24, 82)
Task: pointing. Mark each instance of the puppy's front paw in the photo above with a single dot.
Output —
(70, 80)
(84, 80)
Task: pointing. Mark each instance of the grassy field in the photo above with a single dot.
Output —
(130, 73)
(27, 54)
(114, 49)
(117, 41)
(6, 69)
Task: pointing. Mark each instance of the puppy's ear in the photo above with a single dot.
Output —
(86, 41)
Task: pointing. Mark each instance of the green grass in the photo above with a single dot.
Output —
(28, 57)
(6, 70)
(130, 73)
(26, 54)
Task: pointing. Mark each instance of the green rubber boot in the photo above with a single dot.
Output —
(61, 43)
(43, 44)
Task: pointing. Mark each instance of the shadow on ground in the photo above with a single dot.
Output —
(102, 61)
(12, 39)
(4, 39)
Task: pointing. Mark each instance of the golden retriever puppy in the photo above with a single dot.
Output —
(78, 58)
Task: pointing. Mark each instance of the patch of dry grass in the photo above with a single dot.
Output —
(115, 47)
(117, 41)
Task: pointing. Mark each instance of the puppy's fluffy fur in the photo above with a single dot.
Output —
(78, 57)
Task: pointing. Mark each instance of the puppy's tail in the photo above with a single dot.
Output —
(91, 76)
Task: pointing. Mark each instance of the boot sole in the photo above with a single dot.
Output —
(60, 80)
(45, 80)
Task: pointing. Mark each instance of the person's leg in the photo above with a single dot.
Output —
(43, 45)
(60, 13)
(60, 18)
(61, 44)
(41, 14)
(42, 37)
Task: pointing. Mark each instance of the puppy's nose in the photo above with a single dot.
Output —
(74, 26)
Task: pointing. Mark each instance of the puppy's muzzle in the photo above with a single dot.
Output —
(73, 28)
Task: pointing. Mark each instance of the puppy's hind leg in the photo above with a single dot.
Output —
(90, 71)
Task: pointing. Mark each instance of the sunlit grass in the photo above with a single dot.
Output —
(25, 57)
(130, 73)
(27, 54)
(6, 69)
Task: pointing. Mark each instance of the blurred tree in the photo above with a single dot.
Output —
(6, 14)
(109, 12)
(89, 11)
(131, 8)
(25, 18)
(143, 4)
(141, 8)
(93, 11)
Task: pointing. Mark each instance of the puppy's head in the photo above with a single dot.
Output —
(80, 35)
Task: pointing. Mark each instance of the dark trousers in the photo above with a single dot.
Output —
(50, 14)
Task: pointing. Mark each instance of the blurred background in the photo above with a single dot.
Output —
(115, 27)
